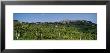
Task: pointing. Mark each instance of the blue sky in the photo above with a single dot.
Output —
(53, 17)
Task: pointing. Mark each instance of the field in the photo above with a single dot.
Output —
(65, 30)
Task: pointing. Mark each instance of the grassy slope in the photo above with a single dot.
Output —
(52, 32)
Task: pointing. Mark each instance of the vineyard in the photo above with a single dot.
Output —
(64, 30)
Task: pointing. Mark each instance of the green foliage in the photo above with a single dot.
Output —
(80, 30)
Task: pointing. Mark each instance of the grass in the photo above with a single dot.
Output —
(80, 30)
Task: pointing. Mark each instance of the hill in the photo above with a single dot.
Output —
(62, 30)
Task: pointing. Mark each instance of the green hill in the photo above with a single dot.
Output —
(62, 30)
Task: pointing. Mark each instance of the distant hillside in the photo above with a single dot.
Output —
(63, 22)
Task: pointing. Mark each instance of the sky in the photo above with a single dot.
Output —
(53, 17)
